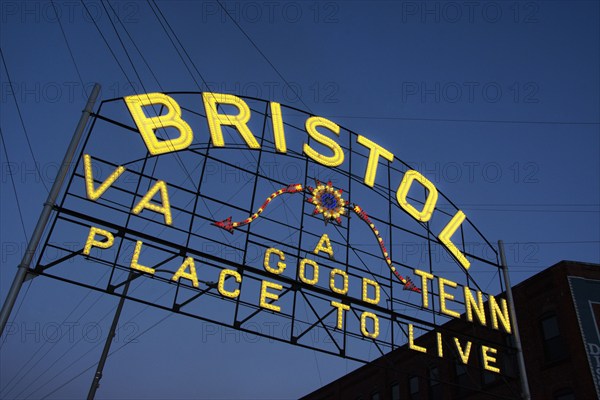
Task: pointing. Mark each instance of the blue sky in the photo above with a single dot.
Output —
(495, 102)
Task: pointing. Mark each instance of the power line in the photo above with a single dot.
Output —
(12, 180)
(73, 346)
(532, 204)
(563, 242)
(263, 55)
(31, 368)
(507, 243)
(68, 47)
(110, 354)
(38, 377)
(124, 48)
(135, 46)
(22, 121)
(530, 211)
(493, 121)
(107, 44)
(175, 46)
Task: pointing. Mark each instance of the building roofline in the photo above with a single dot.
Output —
(550, 269)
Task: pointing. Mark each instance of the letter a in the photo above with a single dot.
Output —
(181, 273)
(324, 245)
(164, 209)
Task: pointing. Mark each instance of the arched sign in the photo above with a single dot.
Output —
(248, 213)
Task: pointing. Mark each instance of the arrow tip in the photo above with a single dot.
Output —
(225, 224)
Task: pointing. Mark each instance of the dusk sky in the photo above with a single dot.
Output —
(495, 102)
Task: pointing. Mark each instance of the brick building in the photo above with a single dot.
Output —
(558, 312)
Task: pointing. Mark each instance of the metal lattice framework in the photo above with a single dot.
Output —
(209, 184)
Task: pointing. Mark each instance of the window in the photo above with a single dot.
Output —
(509, 359)
(487, 377)
(461, 378)
(554, 348)
(413, 387)
(564, 394)
(435, 387)
(395, 395)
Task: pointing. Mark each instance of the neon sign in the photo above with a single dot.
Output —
(138, 216)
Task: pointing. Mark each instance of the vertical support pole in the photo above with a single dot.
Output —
(15, 288)
(511, 305)
(111, 334)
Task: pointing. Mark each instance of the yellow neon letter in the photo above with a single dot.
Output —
(376, 151)
(181, 273)
(471, 305)
(148, 126)
(340, 312)
(222, 276)
(411, 340)
(94, 194)
(136, 256)
(302, 272)
(332, 286)
(264, 295)
(424, 276)
(324, 245)
(92, 242)
(425, 214)
(439, 344)
(311, 128)
(365, 295)
(363, 325)
(278, 132)
(464, 355)
(216, 120)
(443, 296)
(502, 313)
(487, 359)
(280, 264)
(164, 209)
(447, 233)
